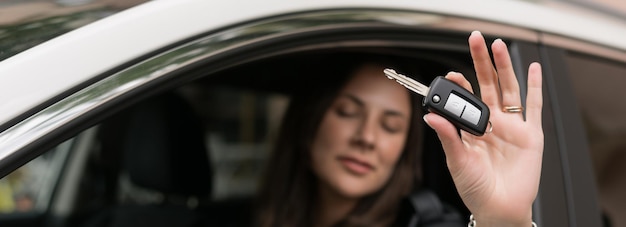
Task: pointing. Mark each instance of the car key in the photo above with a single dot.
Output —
(448, 99)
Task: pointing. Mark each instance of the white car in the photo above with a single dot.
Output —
(175, 103)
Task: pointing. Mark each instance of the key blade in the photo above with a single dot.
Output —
(407, 82)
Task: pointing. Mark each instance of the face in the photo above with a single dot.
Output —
(362, 134)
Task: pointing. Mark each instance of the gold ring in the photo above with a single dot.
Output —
(490, 128)
(512, 109)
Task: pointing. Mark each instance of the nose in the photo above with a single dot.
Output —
(365, 135)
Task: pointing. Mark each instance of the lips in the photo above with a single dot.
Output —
(355, 165)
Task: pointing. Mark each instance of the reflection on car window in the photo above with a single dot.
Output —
(28, 23)
(29, 188)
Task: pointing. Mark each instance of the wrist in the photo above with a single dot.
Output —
(486, 222)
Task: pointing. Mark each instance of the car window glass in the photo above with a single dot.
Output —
(599, 87)
(28, 189)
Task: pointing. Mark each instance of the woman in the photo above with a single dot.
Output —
(347, 154)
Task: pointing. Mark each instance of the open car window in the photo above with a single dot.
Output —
(204, 144)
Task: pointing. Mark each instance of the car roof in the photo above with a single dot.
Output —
(48, 70)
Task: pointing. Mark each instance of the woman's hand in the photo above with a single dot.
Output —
(497, 174)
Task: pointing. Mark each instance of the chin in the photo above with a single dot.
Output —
(355, 190)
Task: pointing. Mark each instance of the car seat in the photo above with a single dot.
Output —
(162, 153)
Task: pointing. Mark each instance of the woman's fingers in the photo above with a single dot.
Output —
(485, 72)
(534, 98)
(459, 79)
(509, 87)
(450, 140)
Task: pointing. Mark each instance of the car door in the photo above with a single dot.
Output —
(588, 126)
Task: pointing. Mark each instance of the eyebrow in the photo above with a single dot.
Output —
(361, 103)
(355, 99)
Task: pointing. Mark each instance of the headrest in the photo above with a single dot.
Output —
(164, 148)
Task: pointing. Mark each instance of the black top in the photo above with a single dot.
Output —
(424, 209)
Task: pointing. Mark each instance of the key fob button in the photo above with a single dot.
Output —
(436, 98)
(471, 114)
(455, 105)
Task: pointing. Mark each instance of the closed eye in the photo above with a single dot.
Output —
(394, 122)
(349, 106)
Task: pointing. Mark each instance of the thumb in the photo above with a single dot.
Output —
(448, 135)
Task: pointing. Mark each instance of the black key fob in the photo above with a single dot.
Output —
(457, 105)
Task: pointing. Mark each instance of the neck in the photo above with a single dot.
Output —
(331, 207)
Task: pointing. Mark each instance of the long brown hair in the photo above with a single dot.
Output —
(287, 194)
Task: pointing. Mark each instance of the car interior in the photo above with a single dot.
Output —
(193, 154)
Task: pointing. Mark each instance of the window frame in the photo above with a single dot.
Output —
(567, 135)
